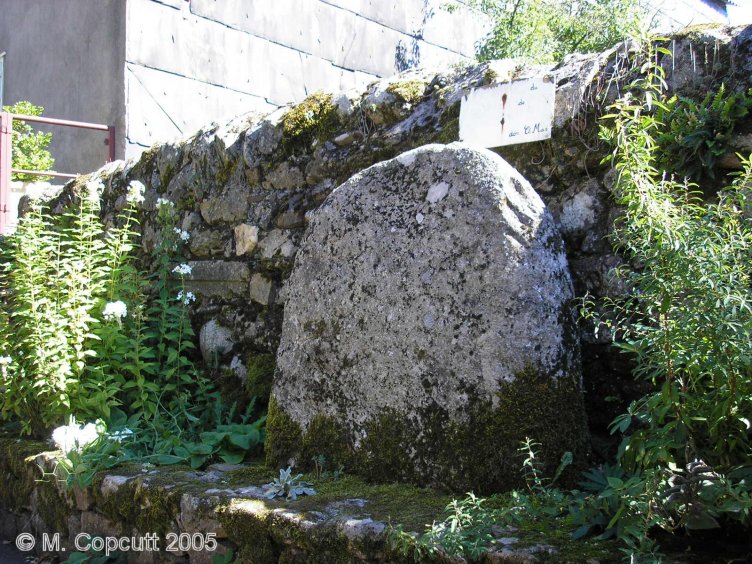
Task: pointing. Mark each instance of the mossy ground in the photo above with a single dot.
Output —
(411, 506)
(263, 535)
(414, 509)
(556, 531)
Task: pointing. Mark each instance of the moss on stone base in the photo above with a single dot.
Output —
(148, 503)
(284, 437)
(17, 480)
(278, 530)
(450, 125)
(325, 437)
(478, 454)
(259, 375)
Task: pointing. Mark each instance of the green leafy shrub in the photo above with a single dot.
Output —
(545, 31)
(695, 134)
(29, 146)
(85, 333)
(471, 525)
(687, 324)
(54, 276)
(689, 318)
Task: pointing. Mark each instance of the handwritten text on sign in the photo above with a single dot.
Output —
(504, 114)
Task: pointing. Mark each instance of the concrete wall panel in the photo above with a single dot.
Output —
(403, 16)
(69, 60)
(162, 106)
(457, 31)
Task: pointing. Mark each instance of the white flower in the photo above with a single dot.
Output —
(187, 298)
(119, 436)
(95, 189)
(162, 202)
(184, 235)
(115, 310)
(136, 191)
(5, 360)
(75, 437)
(183, 269)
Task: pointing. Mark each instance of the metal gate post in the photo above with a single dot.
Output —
(110, 142)
(6, 138)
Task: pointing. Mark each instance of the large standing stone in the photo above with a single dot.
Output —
(427, 327)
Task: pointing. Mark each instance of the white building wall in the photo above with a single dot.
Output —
(672, 15)
(190, 62)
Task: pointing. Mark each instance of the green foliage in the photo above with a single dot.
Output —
(54, 275)
(321, 470)
(686, 323)
(226, 558)
(230, 443)
(532, 467)
(617, 506)
(86, 334)
(689, 318)
(288, 486)
(466, 531)
(29, 147)
(695, 134)
(96, 557)
(545, 31)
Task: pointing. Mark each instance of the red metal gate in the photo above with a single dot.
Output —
(6, 140)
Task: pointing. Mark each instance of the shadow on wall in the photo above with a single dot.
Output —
(404, 60)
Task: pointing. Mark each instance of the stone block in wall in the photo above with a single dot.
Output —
(399, 15)
(208, 51)
(218, 278)
(292, 23)
(350, 44)
(276, 243)
(327, 32)
(94, 523)
(263, 139)
(261, 289)
(210, 243)
(246, 238)
(215, 340)
(457, 31)
(228, 206)
(198, 515)
(432, 56)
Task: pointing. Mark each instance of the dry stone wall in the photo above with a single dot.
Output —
(243, 189)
